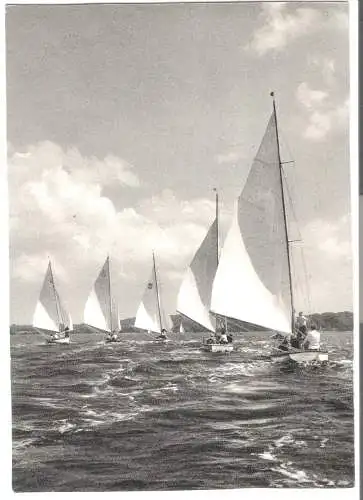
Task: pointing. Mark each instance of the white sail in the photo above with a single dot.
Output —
(252, 282)
(194, 298)
(148, 313)
(97, 312)
(49, 313)
(116, 324)
(181, 328)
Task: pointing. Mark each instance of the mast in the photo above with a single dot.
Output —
(217, 246)
(272, 94)
(109, 290)
(217, 222)
(60, 318)
(157, 293)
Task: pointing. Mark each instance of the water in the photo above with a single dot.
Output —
(147, 416)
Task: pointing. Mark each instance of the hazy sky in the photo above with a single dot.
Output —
(122, 118)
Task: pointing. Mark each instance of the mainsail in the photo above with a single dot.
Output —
(148, 316)
(98, 310)
(194, 298)
(253, 282)
(50, 313)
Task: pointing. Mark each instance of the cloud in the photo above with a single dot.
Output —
(229, 157)
(319, 263)
(321, 122)
(62, 212)
(283, 23)
(322, 114)
(325, 66)
(309, 97)
(45, 156)
(281, 28)
(332, 239)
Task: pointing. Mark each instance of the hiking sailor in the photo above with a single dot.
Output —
(312, 341)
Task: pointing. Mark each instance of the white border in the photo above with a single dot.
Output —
(249, 493)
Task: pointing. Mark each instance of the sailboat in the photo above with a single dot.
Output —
(149, 315)
(101, 311)
(50, 314)
(194, 298)
(253, 282)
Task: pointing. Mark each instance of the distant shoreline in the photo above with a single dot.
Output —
(328, 321)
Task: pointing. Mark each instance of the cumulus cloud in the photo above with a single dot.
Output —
(281, 27)
(309, 97)
(326, 66)
(322, 114)
(229, 157)
(61, 212)
(283, 23)
(320, 261)
(322, 121)
(332, 239)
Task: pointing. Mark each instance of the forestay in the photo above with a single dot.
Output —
(252, 282)
(50, 313)
(98, 311)
(194, 298)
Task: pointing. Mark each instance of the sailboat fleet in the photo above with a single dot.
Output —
(250, 280)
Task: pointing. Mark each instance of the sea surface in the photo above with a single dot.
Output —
(148, 416)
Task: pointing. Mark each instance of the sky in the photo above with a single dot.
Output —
(121, 119)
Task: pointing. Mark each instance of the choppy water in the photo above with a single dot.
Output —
(147, 416)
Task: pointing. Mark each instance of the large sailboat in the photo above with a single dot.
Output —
(50, 314)
(149, 316)
(194, 298)
(253, 282)
(101, 311)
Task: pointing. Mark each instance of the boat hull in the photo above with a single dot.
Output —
(218, 347)
(302, 356)
(59, 341)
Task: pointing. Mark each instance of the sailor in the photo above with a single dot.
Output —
(229, 338)
(312, 341)
(66, 332)
(212, 339)
(295, 340)
(284, 346)
(301, 323)
(223, 339)
(162, 335)
(114, 336)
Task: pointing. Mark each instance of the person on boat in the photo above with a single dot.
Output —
(285, 344)
(223, 338)
(66, 332)
(312, 341)
(229, 338)
(162, 335)
(212, 339)
(114, 336)
(301, 323)
(295, 340)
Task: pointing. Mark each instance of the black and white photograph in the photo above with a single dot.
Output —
(181, 247)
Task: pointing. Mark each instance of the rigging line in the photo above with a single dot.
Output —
(157, 293)
(57, 305)
(305, 271)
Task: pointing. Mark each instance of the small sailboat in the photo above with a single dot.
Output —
(101, 311)
(194, 298)
(253, 282)
(50, 314)
(149, 314)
